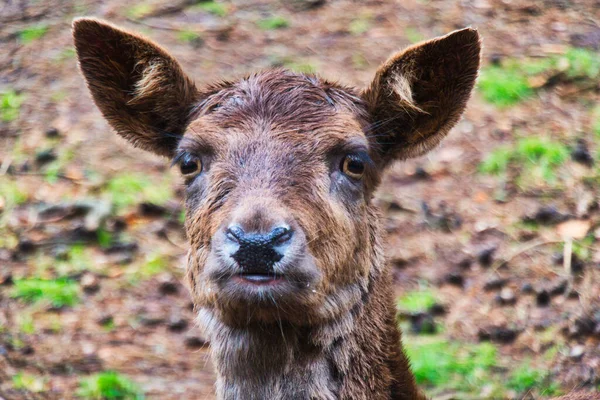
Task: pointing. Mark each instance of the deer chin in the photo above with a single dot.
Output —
(287, 293)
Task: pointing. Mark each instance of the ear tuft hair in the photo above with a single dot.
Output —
(419, 94)
(139, 87)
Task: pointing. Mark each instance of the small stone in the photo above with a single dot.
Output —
(421, 174)
(496, 59)
(455, 278)
(151, 210)
(542, 298)
(168, 287)
(438, 309)
(177, 324)
(577, 352)
(498, 334)
(507, 296)
(581, 153)
(486, 256)
(495, 284)
(104, 320)
(464, 262)
(52, 133)
(151, 319)
(26, 246)
(546, 215)
(558, 287)
(195, 342)
(582, 327)
(45, 156)
(90, 283)
(422, 323)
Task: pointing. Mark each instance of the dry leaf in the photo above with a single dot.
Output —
(574, 229)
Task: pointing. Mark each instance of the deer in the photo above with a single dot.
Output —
(286, 265)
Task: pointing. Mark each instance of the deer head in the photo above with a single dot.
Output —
(279, 167)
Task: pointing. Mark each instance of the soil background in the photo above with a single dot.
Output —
(76, 201)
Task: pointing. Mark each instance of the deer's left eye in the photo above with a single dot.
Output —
(190, 166)
(353, 166)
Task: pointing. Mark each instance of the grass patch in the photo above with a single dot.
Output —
(31, 383)
(417, 301)
(11, 193)
(154, 264)
(360, 25)
(32, 33)
(413, 35)
(503, 86)
(129, 189)
(59, 292)
(188, 36)
(272, 23)
(214, 8)
(10, 105)
(536, 158)
(515, 80)
(596, 120)
(525, 378)
(109, 386)
(440, 364)
(138, 11)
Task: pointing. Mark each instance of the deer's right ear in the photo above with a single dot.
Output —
(140, 89)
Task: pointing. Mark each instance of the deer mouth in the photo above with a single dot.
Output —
(259, 278)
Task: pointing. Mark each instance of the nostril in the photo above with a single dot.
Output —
(280, 235)
(235, 233)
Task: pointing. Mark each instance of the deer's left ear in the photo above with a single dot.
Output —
(419, 94)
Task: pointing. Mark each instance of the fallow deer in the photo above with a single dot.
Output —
(286, 266)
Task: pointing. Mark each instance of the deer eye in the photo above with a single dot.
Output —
(353, 166)
(190, 166)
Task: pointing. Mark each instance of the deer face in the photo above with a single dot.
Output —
(279, 168)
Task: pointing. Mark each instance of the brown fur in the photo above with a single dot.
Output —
(271, 146)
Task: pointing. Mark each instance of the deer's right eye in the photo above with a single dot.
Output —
(190, 166)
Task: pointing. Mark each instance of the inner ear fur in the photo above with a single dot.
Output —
(139, 87)
(420, 93)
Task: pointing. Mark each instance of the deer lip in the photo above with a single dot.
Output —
(259, 278)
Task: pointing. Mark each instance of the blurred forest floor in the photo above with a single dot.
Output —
(494, 237)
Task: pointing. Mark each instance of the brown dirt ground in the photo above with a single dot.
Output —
(144, 342)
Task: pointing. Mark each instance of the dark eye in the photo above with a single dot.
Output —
(190, 166)
(353, 166)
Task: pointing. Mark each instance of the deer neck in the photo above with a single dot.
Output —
(356, 356)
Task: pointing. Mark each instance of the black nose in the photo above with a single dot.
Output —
(257, 252)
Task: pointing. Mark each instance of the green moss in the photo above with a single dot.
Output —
(129, 189)
(188, 36)
(109, 386)
(272, 23)
(497, 161)
(59, 292)
(28, 382)
(138, 11)
(212, 7)
(525, 378)
(413, 35)
(509, 83)
(11, 193)
(360, 25)
(417, 301)
(596, 120)
(535, 157)
(462, 367)
(582, 63)
(32, 33)
(503, 86)
(10, 105)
